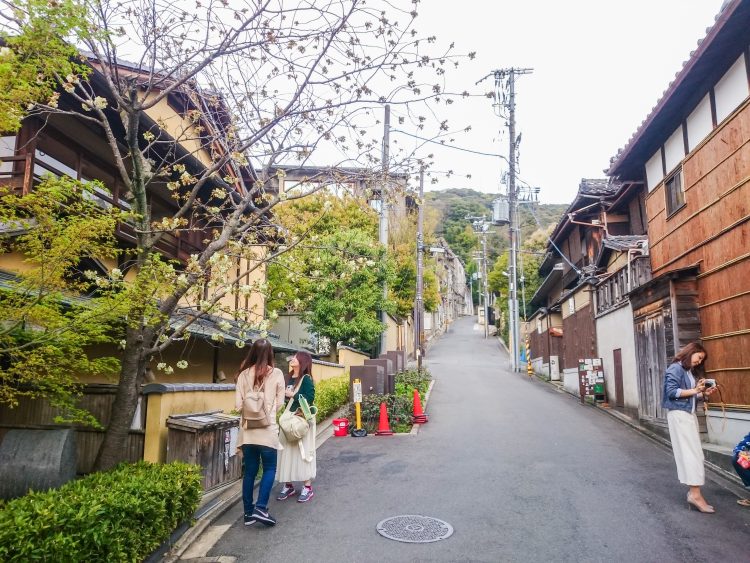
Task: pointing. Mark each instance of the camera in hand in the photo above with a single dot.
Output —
(708, 383)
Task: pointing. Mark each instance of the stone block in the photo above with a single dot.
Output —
(37, 460)
(370, 376)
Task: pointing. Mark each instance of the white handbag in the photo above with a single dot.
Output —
(293, 426)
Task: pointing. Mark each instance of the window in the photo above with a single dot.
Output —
(7, 149)
(673, 192)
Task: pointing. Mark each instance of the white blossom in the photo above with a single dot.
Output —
(182, 364)
(161, 365)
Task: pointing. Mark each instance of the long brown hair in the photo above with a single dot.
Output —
(684, 358)
(259, 357)
(305, 363)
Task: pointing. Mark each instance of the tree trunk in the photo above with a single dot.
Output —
(126, 399)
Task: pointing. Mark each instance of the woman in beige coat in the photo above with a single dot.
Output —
(257, 373)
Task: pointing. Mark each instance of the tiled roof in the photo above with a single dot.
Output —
(207, 327)
(598, 187)
(624, 242)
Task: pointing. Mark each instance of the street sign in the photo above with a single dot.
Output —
(357, 391)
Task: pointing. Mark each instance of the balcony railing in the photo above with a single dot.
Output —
(614, 291)
(23, 178)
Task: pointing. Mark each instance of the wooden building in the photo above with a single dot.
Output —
(622, 266)
(692, 153)
(66, 145)
(565, 314)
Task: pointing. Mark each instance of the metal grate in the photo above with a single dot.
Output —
(413, 528)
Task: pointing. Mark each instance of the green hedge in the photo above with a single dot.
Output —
(330, 395)
(410, 379)
(119, 515)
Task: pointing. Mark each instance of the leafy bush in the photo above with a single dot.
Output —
(331, 394)
(399, 412)
(408, 380)
(119, 515)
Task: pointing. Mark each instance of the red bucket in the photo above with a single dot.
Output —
(340, 426)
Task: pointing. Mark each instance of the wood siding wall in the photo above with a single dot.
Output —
(541, 344)
(713, 229)
(579, 337)
(38, 414)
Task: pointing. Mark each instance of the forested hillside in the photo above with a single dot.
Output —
(450, 209)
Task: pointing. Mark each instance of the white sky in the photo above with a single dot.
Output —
(599, 68)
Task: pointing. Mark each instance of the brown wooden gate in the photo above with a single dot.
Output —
(619, 389)
(649, 346)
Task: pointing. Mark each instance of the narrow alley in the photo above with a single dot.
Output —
(521, 472)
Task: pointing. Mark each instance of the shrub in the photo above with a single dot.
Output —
(119, 515)
(399, 412)
(408, 380)
(331, 394)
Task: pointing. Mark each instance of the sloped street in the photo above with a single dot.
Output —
(521, 471)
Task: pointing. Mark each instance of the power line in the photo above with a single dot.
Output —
(449, 146)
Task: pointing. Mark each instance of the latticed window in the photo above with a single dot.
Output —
(673, 192)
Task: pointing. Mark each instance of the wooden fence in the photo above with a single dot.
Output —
(97, 399)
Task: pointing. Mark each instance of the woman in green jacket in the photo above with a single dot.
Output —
(297, 463)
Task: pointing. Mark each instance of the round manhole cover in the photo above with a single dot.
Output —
(413, 528)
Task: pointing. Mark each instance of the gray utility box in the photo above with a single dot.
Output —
(208, 440)
(372, 378)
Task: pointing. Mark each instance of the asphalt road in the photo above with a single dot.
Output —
(521, 471)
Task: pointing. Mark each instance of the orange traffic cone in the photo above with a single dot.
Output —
(384, 427)
(419, 416)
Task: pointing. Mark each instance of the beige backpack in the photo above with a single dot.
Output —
(254, 411)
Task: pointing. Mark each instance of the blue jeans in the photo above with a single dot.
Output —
(252, 456)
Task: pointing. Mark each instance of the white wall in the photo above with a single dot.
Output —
(615, 330)
(674, 149)
(727, 428)
(699, 124)
(731, 90)
(654, 170)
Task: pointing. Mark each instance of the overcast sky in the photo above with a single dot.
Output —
(599, 68)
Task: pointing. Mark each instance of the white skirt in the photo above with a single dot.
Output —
(686, 445)
(290, 466)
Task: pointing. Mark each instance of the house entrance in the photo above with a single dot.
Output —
(650, 344)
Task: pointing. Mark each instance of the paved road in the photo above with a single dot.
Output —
(521, 471)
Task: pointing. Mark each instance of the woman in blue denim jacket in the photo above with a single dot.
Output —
(681, 393)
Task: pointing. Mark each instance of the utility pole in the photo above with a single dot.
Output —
(419, 305)
(513, 227)
(383, 232)
(484, 280)
(480, 226)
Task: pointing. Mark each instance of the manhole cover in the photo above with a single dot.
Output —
(413, 528)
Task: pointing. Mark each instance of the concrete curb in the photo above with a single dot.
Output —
(729, 481)
(231, 494)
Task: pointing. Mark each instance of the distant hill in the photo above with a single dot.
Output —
(454, 205)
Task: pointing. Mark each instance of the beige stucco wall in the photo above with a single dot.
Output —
(581, 298)
(178, 127)
(351, 358)
(160, 406)
(321, 372)
(14, 262)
